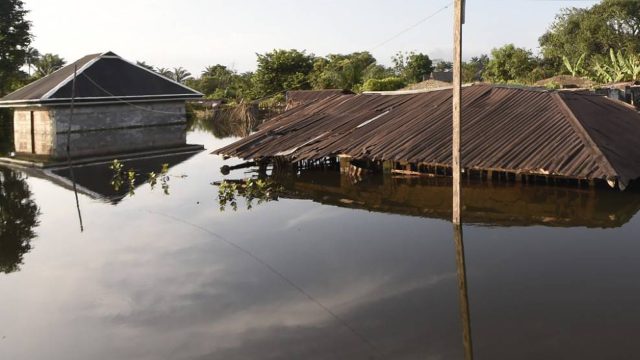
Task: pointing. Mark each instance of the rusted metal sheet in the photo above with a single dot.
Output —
(301, 97)
(570, 134)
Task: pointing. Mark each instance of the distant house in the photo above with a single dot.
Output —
(119, 107)
(628, 92)
(444, 76)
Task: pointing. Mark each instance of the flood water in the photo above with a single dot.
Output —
(327, 267)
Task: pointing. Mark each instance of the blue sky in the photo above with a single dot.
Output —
(197, 33)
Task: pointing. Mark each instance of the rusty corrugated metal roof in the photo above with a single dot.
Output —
(302, 97)
(571, 134)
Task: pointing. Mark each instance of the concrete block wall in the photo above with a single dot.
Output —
(22, 131)
(119, 128)
(118, 141)
(43, 131)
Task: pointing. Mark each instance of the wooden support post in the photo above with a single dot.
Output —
(456, 174)
(457, 95)
(387, 166)
(345, 163)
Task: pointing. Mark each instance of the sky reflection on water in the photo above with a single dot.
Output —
(155, 276)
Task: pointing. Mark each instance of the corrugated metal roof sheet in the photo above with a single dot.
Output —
(100, 77)
(300, 97)
(570, 134)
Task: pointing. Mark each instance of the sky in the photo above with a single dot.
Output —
(197, 33)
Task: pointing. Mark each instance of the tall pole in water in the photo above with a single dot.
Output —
(465, 315)
(457, 92)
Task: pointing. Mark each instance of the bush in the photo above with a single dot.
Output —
(386, 84)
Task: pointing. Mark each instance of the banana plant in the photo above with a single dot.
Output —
(574, 68)
(618, 68)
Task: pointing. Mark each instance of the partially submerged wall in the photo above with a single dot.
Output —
(33, 131)
(119, 128)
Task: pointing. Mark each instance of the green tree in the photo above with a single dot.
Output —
(510, 64)
(376, 71)
(341, 71)
(216, 78)
(442, 65)
(15, 38)
(618, 67)
(47, 64)
(281, 70)
(387, 84)
(32, 55)
(473, 69)
(181, 74)
(412, 67)
(165, 72)
(219, 82)
(592, 31)
(145, 65)
(575, 68)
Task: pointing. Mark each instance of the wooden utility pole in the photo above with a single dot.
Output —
(458, 20)
(465, 315)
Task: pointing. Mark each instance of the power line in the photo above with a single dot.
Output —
(275, 272)
(412, 26)
(125, 101)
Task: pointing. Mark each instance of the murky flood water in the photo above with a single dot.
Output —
(327, 267)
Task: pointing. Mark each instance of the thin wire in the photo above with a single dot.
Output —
(73, 177)
(412, 26)
(125, 101)
(275, 272)
(284, 90)
(377, 46)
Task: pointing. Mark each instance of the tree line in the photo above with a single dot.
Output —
(601, 42)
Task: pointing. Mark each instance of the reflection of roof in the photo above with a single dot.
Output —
(569, 134)
(502, 204)
(100, 78)
(94, 180)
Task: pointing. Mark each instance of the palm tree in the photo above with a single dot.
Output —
(181, 74)
(165, 72)
(32, 55)
(47, 64)
(145, 65)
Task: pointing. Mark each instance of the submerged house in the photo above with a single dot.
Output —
(513, 133)
(118, 107)
(628, 92)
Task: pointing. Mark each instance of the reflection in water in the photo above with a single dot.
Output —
(139, 285)
(114, 181)
(463, 296)
(250, 189)
(483, 204)
(224, 122)
(18, 216)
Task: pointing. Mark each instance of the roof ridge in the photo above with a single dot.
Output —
(588, 141)
(159, 75)
(69, 78)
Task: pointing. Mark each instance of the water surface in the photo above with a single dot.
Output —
(332, 268)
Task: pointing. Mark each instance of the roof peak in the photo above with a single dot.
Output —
(95, 82)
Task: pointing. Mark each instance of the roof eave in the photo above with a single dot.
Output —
(96, 101)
